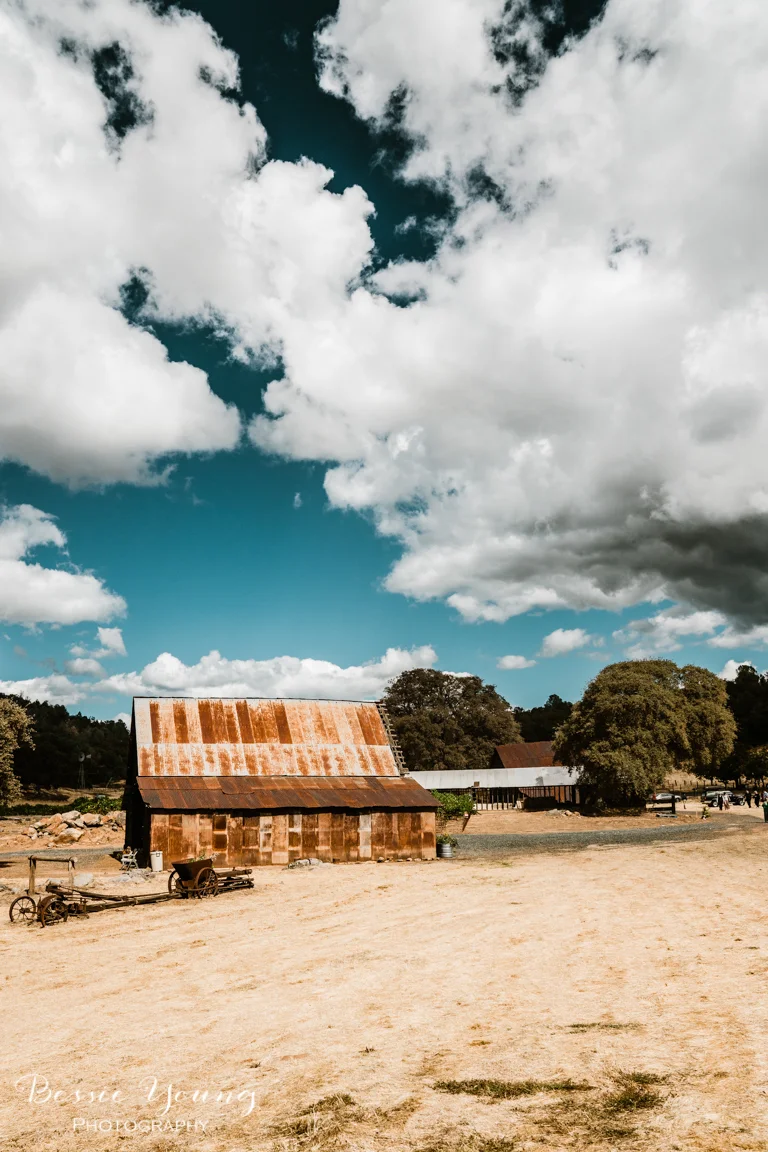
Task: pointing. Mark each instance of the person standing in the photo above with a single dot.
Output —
(765, 807)
(748, 796)
(720, 801)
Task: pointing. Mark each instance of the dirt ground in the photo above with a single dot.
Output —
(498, 821)
(607, 998)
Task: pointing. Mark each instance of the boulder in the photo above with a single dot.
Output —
(32, 833)
(116, 818)
(91, 820)
(70, 817)
(83, 879)
(69, 836)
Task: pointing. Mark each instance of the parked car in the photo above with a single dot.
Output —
(712, 795)
(666, 797)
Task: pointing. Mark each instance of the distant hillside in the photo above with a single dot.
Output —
(60, 739)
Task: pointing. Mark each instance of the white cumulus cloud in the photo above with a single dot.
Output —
(666, 630)
(55, 689)
(568, 405)
(185, 200)
(281, 676)
(510, 663)
(31, 593)
(730, 669)
(564, 640)
(84, 666)
(111, 641)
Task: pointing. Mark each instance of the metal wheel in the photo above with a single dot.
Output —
(51, 910)
(174, 882)
(23, 910)
(207, 883)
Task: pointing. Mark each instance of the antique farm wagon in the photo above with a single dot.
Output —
(270, 781)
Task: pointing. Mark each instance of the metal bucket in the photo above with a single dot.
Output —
(445, 851)
(156, 861)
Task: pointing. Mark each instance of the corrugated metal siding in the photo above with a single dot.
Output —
(277, 838)
(173, 793)
(303, 738)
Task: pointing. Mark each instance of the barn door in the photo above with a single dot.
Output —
(220, 838)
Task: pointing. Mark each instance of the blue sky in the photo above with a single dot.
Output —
(468, 428)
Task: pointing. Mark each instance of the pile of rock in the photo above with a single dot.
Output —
(69, 827)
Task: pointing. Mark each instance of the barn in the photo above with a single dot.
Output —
(517, 772)
(252, 782)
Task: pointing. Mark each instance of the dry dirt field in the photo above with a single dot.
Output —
(612, 997)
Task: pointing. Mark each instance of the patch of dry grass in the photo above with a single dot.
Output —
(508, 1089)
(600, 1026)
(331, 1122)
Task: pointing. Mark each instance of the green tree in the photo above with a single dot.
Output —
(748, 699)
(710, 725)
(445, 721)
(15, 730)
(639, 720)
(60, 739)
(542, 722)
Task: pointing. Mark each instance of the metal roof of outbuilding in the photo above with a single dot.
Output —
(237, 793)
(537, 754)
(495, 778)
(185, 738)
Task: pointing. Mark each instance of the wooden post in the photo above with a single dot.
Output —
(70, 862)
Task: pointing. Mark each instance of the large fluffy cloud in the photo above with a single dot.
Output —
(54, 689)
(215, 675)
(281, 676)
(567, 405)
(158, 176)
(32, 594)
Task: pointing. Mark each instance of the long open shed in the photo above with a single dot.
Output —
(253, 782)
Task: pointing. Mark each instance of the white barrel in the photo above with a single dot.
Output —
(156, 861)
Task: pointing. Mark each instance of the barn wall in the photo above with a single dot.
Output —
(252, 839)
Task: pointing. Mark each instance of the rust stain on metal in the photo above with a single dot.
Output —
(235, 793)
(302, 739)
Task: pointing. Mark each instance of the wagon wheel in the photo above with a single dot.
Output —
(174, 882)
(23, 910)
(51, 909)
(207, 883)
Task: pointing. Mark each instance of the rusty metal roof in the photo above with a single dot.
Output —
(296, 738)
(237, 793)
(537, 754)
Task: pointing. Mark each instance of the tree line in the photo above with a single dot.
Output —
(41, 745)
(637, 721)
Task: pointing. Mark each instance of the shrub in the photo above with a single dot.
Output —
(453, 806)
(444, 838)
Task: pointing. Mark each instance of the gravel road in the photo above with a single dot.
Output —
(502, 845)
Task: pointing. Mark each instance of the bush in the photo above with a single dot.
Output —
(452, 806)
(100, 804)
(444, 838)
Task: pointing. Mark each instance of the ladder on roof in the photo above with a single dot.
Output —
(394, 743)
